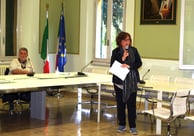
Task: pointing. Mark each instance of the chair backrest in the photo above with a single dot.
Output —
(179, 103)
(160, 78)
(182, 80)
(99, 70)
(3, 68)
(6, 72)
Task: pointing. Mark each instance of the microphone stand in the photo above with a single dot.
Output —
(32, 70)
(81, 73)
(142, 81)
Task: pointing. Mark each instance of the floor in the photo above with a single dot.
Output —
(62, 119)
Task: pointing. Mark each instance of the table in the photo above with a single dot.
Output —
(40, 82)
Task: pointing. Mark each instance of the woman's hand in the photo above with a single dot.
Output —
(125, 55)
(125, 66)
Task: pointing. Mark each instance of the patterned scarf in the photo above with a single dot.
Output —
(130, 83)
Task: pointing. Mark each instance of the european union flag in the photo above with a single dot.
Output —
(61, 54)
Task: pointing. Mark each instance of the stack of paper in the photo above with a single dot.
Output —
(119, 71)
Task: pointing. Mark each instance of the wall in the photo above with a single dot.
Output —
(145, 35)
(28, 36)
(87, 41)
(160, 41)
(130, 15)
(157, 41)
(72, 23)
(163, 67)
(28, 30)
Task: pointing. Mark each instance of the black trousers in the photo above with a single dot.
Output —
(14, 96)
(10, 98)
(121, 108)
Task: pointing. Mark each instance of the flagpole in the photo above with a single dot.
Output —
(62, 12)
(44, 50)
(61, 51)
(47, 7)
(62, 5)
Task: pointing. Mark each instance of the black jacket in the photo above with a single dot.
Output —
(117, 55)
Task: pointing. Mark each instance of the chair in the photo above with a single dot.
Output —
(150, 95)
(15, 98)
(108, 88)
(6, 71)
(182, 80)
(93, 89)
(55, 91)
(160, 78)
(189, 82)
(178, 107)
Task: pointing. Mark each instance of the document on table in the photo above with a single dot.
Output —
(119, 71)
(49, 76)
(4, 81)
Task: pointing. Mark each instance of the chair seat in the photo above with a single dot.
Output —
(161, 113)
(191, 98)
(108, 90)
(150, 94)
(189, 118)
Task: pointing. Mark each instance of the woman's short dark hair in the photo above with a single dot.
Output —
(122, 36)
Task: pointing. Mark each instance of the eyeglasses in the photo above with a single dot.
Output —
(126, 40)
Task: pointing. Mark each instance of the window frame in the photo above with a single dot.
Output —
(3, 57)
(2, 29)
(106, 61)
(182, 65)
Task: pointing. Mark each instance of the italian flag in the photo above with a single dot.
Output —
(44, 49)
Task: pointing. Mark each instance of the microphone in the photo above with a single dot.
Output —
(142, 81)
(82, 69)
(126, 49)
(31, 67)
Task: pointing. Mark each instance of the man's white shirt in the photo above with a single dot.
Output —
(15, 64)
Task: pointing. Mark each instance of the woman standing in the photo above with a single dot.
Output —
(126, 91)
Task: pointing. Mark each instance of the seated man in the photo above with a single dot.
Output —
(20, 65)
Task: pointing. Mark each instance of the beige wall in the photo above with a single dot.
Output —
(72, 23)
(87, 34)
(28, 30)
(157, 41)
(28, 36)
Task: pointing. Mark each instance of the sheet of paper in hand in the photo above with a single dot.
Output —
(119, 71)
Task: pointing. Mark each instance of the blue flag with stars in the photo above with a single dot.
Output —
(61, 54)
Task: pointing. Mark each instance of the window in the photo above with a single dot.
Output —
(110, 21)
(186, 35)
(8, 23)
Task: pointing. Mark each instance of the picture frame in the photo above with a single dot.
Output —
(158, 12)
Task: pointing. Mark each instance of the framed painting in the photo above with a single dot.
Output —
(158, 12)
